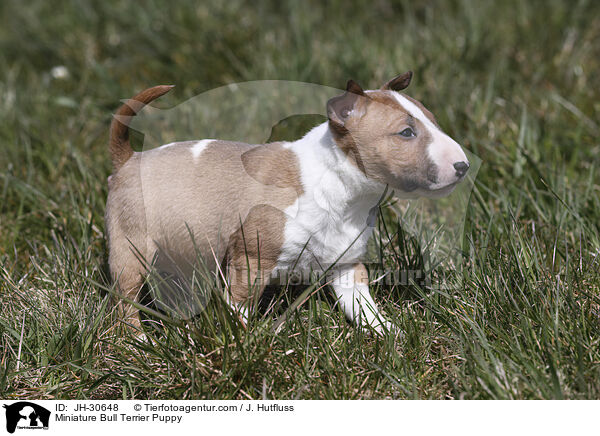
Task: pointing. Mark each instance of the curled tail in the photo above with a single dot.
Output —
(120, 148)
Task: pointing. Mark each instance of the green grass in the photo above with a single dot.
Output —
(515, 82)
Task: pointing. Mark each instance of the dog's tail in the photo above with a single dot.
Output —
(120, 148)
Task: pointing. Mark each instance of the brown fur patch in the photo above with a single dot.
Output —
(272, 164)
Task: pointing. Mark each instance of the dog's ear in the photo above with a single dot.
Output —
(398, 83)
(339, 108)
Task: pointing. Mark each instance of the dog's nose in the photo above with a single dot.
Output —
(461, 168)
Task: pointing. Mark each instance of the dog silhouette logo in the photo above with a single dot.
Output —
(26, 415)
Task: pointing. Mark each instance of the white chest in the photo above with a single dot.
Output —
(328, 222)
(315, 237)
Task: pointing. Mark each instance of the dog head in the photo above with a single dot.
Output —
(395, 140)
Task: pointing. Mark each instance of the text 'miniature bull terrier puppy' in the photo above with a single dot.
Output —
(263, 210)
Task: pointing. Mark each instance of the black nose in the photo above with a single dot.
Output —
(461, 168)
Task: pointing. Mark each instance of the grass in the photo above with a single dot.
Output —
(515, 82)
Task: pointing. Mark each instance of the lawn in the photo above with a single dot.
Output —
(515, 82)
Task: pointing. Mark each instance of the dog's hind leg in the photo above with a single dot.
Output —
(128, 272)
(130, 286)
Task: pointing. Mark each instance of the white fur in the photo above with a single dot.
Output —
(199, 147)
(444, 152)
(170, 144)
(356, 301)
(196, 149)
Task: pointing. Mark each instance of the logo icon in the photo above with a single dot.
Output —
(26, 415)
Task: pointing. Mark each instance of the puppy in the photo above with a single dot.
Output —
(262, 210)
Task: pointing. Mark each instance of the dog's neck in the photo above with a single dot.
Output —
(332, 179)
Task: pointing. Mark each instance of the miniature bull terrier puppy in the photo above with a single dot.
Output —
(261, 209)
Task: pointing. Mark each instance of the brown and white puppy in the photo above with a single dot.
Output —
(263, 210)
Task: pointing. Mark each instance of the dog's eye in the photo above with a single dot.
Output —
(408, 133)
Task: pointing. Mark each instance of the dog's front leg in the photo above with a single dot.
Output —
(246, 284)
(351, 286)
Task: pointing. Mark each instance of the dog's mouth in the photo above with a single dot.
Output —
(442, 191)
(411, 189)
(411, 185)
(446, 187)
